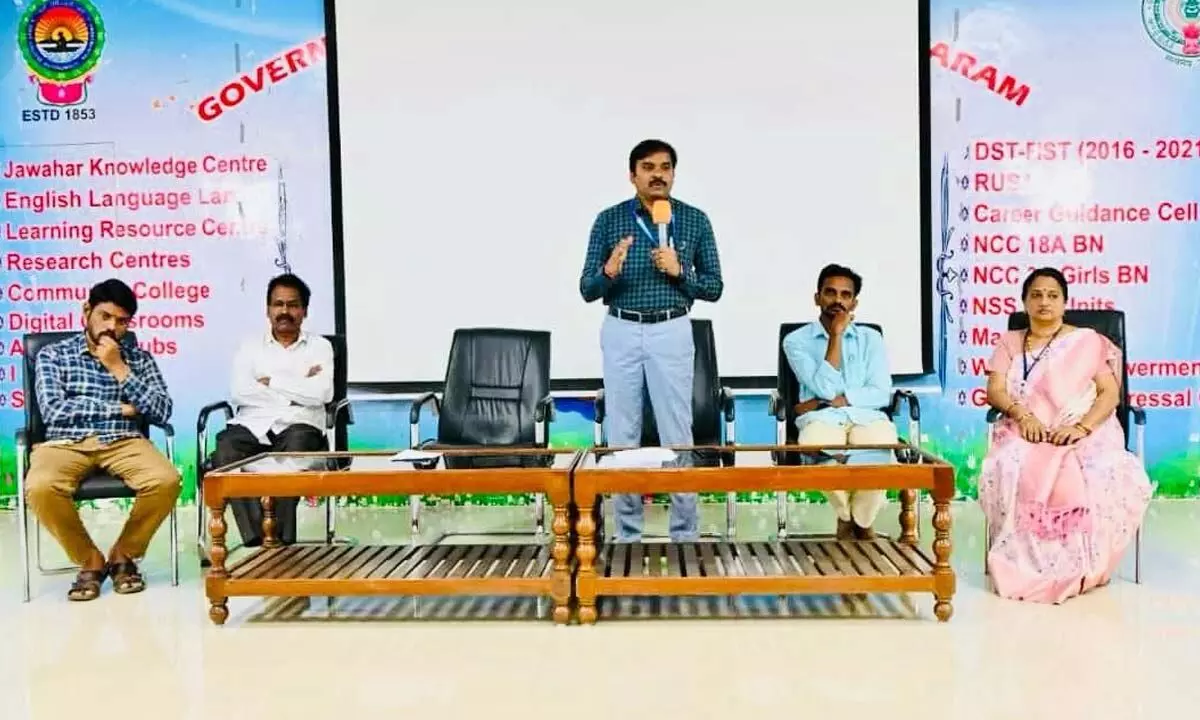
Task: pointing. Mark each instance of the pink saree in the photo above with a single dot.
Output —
(1059, 518)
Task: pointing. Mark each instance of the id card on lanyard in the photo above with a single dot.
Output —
(653, 235)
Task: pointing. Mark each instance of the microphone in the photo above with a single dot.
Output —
(660, 212)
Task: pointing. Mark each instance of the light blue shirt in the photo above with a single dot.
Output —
(863, 379)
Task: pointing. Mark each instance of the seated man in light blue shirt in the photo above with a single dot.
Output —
(844, 381)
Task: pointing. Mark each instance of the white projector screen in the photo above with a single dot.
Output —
(480, 139)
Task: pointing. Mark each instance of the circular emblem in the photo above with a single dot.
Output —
(61, 40)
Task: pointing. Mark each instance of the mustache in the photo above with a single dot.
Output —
(657, 182)
(836, 306)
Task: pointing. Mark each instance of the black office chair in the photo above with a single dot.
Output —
(98, 486)
(338, 418)
(782, 406)
(496, 394)
(1110, 324)
(711, 403)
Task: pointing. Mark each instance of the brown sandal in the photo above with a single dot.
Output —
(125, 578)
(87, 585)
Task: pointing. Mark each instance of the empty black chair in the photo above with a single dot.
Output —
(338, 418)
(785, 397)
(713, 416)
(1110, 324)
(98, 486)
(496, 394)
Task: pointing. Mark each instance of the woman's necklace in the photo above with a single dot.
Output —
(1027, 366)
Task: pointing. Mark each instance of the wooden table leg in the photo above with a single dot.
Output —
(218, 610)
(908, 516)
(585, 572)
(943, 574)
(561, 526)
(270, 541)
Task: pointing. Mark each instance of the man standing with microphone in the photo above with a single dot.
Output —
(649, 259)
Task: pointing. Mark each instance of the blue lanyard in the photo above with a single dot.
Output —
(654, 236)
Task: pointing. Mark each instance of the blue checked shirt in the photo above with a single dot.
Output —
(640, 286)
(78, 398)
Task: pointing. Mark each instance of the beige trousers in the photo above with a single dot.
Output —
(862, 506)
(56, 469)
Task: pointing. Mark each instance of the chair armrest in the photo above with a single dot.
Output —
(1138, 413)
(776, 407)
(727, 403)
(169, 431)
(544, 410)
(414, 413)
(207, 411)
(901, 397)
(334, 409)
(598, 405)
(994, 415)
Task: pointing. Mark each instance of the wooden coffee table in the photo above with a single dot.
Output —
(538, 567)
(795, 565)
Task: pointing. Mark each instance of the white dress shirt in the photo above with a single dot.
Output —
(291, 396)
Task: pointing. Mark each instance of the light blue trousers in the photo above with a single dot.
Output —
(659, 357)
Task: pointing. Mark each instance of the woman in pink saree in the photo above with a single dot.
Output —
(1062, 496)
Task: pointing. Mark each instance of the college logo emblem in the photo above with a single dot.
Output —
(61, 41)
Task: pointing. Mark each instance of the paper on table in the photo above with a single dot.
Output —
(411, 455)
(283, 465)
(647, 457)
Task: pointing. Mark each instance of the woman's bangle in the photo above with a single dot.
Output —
(1086, 430)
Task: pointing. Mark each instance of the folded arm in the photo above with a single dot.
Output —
(57, 407)
(145, 389)
(702, 280)
(301, 388)
(245, 390)
(817, 376)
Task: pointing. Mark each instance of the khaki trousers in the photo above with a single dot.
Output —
(56, 469)
(862, 506)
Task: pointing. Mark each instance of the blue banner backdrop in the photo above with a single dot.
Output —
(1062, 136)
(181, 147)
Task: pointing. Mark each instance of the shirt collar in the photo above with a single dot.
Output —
(820, 332)
(642, 211)
(269, 339)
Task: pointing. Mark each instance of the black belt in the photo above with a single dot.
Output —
(647, 316)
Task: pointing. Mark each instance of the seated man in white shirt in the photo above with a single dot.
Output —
(282, 381)
(844, 380)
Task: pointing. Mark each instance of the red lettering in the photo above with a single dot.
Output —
(965, 63)
(275, 71)
(316, 49)
(1016, 94)
(255, 83)
(941, 52)
(987, 76)
(233, 94)
(295, 60)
